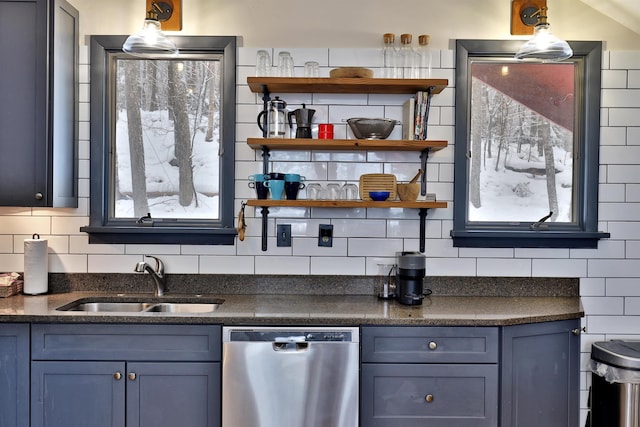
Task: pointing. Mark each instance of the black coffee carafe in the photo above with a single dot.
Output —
(303, 121)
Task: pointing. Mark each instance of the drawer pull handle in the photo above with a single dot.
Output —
(132, 376)
(432, 345)
(117, 376)
(429, 398)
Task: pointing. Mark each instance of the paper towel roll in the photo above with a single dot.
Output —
(36, 266)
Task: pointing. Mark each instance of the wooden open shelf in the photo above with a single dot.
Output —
(344, 144)
(418, 204)
(344, 85)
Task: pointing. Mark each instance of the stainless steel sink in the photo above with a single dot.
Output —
(140, 305)
(107, 306)
(180, 307)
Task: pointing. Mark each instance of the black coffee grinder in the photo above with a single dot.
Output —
(410, 278)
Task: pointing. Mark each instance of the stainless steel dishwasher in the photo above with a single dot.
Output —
(290, 377)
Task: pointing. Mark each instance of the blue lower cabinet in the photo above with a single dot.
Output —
(173, 394)
(435, 395)
(133, 375)
(540, 371)
(77, 394)
(14, 375)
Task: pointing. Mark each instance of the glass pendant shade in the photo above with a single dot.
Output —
(149, 41)
(544, 45)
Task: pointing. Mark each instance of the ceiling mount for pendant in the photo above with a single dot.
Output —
(169, 13)
(524, 16)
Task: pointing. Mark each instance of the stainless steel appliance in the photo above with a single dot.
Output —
(293, 377)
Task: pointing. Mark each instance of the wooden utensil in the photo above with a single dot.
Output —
(415, 178)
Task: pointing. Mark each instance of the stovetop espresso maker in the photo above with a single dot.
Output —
(410, 273)
(303, 121)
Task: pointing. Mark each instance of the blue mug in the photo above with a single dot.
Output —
(293, 183)
(276, 188)
(257, 181)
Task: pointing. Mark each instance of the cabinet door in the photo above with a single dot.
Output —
(14, 375)
(435, 395)
(38, 102)
(173, 394)
(540, 375)
(77, 394)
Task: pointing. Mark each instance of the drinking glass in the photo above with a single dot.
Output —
(263, 63)
(313, 191)
(311, 69)
(285, 64)
(333, 191)
(349, 192)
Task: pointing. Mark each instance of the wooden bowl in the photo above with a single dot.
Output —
(408, 192)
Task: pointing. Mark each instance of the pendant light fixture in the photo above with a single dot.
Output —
(150, 40)
(544, 45)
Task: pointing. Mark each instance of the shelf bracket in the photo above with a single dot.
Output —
(423, 228)
(424, 155)
(265, 159)
(265, 221)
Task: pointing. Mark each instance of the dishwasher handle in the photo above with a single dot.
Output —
(290, 346)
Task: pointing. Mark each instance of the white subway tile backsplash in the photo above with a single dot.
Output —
(612, 306)
(226, 264)
(623, 287)
(592, 287)
(612, 193)
(620, 155)
(451, 267)
(374, 247)
(612, 325)
(624, 116)
(633, 135)
(607, 248)
(282, 265)
(338, 265)
(504, 267)
(27, 225)
(631, 306)
(358, 228)
(613, 136)
(68, 263)
(633, 79)
(618, 211)
(613, 268)
(614, 78)
(559, 268)
(622, 60)
(350, 57)
(633, 249)
(308, 246)
(620, 98)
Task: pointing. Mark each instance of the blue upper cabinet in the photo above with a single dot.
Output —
(38, 103)
(14, 375)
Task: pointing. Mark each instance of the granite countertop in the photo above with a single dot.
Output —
(305, 309)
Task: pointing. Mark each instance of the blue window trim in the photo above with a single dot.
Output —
(584, 233)
(101, 229)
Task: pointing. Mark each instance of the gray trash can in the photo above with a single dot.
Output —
(615, 384)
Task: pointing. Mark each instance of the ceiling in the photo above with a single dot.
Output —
(626, 12)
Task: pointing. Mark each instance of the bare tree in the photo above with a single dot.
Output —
(477, 122)
(549, 162)
(136, 147)
(178, 101)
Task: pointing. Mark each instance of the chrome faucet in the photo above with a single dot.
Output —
(157, 275)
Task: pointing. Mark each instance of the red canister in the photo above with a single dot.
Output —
(325, 131)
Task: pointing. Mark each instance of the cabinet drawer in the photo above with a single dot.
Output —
(126, 342)
(429, 344)
(436, 395)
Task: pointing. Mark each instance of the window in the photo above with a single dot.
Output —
(162, 143)
(526, 147)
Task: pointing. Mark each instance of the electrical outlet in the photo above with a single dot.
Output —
(284, 235)
(325, 235)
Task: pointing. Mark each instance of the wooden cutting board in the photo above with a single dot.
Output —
(351, 72)
(377, 182)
